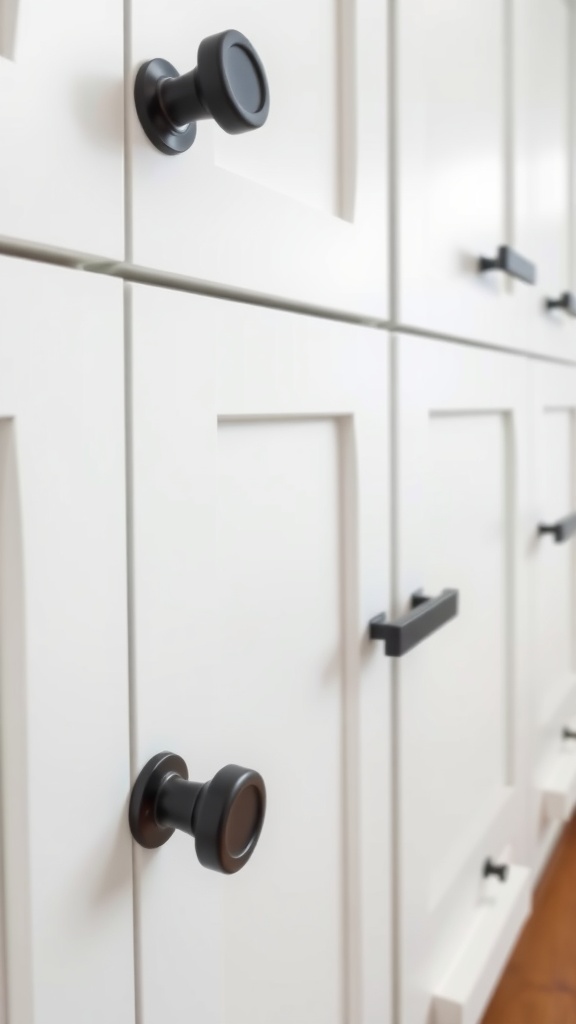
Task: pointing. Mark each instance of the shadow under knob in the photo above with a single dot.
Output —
(228, 84)
(225, 815)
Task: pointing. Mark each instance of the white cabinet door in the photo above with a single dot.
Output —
(454, 170)
(61, 120)
(298, 208)
(460, 695)
(66, 850)
(260, 553)
(543, 167)
(451, 165)
(553, 589)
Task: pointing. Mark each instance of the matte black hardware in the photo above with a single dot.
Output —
(568, 734)
(511, 263)
(428, 614)
(566, 301)
(225, 815)
(229, 84)
(501, 871)
(562, 530)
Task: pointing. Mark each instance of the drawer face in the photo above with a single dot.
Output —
(297, 208)
(452, 166)
(553, 566)
(61, 121)
(461, 449)
(261, 551)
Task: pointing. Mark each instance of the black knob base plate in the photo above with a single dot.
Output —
(141, 813)
(162, 133)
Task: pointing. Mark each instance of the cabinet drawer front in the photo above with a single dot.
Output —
(464, 994)
(542, 42)
(452, 167)
(296, 209)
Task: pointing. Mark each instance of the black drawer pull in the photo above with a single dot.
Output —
(568, 734)
(428, 614)
(562, 530)
(501, 871)
(511, 263)
(567, 301)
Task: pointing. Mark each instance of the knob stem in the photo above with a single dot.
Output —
(176, 802)
(181, 99)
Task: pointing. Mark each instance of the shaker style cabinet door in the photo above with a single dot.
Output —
(260, 549)
(453, 167)
(66, 896)
(463, 887)
(544, 166)
(553, 589)
(294, 208)
(61, 159)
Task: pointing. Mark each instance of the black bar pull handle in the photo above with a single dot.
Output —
(511, 263)
(567, 302)
(428, 614)
(562, 530)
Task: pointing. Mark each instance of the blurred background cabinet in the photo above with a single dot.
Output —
(485, 158)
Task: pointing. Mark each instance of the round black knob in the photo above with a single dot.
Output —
(229, 84)
(568, 734)
(500, 870)
(224, 815)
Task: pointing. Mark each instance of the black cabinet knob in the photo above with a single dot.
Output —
(568, 734)
(567, 302)
(510, 262)
(228, 84)
(500, 870)
(224, 815)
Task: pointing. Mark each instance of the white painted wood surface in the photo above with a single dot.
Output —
(464, 994)
(553, 577)
(299, 208)
(461, 715)
(66, 851)
(261, 551)
(559, 786)
(452, 168)
(61, 120)
(541, 69)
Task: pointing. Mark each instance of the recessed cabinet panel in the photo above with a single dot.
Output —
(61, 159)
(65, 848)
(298, 207)
(553, 567)
(452, 166)
(544, 162)
(260, 533)
(461, 693)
